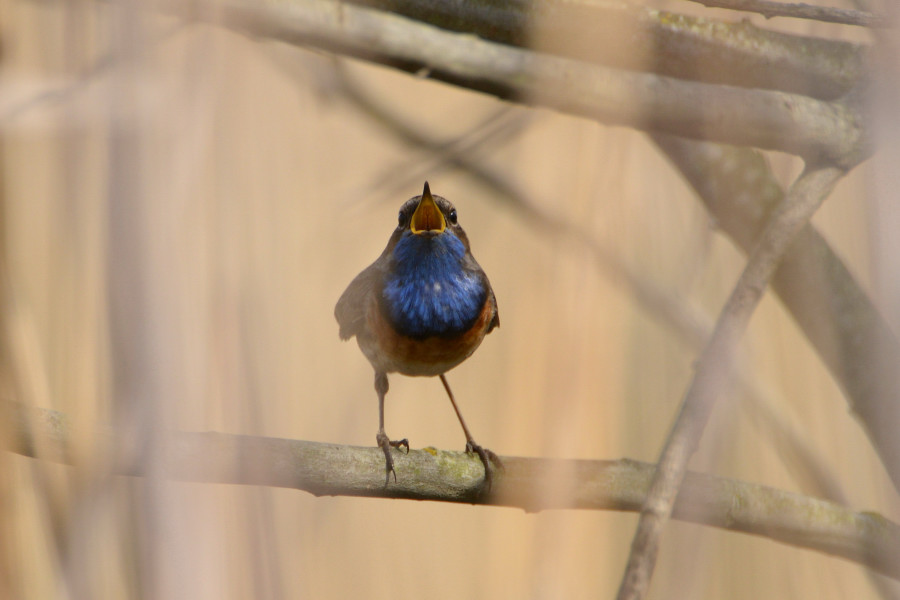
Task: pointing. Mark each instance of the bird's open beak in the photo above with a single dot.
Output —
(428, 216)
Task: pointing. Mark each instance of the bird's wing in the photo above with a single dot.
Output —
(472, 266)
(350, 310)
(495, 321)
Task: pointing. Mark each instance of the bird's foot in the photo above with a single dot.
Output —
(487, 457)
(404, 442)
(386, 444)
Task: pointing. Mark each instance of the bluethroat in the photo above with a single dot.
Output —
(420, 309)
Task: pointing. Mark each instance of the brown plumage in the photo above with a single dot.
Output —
(421, 308)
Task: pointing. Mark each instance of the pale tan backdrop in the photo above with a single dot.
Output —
(266, 191)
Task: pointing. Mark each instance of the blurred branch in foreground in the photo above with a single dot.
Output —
(790, 122)
(640, 38)
(532, 484)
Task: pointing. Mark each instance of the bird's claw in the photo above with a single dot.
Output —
(404, 442)
(487, 457)
(386, 444)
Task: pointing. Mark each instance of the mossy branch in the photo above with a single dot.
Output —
(533, 484)
(801, 10)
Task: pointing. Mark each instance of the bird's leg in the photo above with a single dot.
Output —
(484, 454)
(381, 388)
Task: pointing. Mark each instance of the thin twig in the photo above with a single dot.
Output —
(430, 474)
(714, 370)
(800, 10)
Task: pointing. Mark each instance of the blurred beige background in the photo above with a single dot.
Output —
(264, 191)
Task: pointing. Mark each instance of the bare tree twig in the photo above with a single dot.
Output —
(639, 38)
(792, 123)
(800, 10)
(714, 369)
(437, 475)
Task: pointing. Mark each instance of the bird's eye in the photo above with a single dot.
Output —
(400, 218)
(453, 217)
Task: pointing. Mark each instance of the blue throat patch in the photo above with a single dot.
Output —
(427, 292)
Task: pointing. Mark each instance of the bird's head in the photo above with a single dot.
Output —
(429, 217)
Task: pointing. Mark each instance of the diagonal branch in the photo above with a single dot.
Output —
(714, 369)
(330, 469)
(837, 316)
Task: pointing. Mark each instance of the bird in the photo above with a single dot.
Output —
(422, 308)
